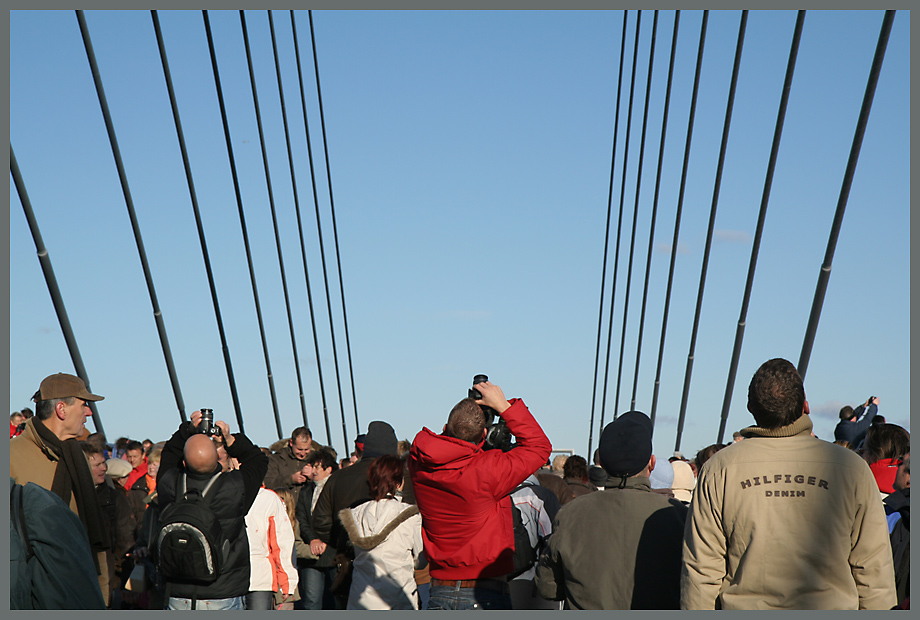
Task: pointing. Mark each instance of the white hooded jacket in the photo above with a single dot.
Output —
(387, 536)
(271, 545)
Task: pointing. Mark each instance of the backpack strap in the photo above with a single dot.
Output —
(183, 485)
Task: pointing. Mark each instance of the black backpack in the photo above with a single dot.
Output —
(526, 554)
(190, 546)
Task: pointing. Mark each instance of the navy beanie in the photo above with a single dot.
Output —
(379, 440)
(626, 445)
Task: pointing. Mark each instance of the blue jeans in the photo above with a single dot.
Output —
(423, 591)
(451, 597)
(214, 604)
(314, 587)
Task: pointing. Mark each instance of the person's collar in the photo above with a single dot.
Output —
(802, 425)
(640, 483)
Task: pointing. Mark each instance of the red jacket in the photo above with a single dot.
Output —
(462, 495)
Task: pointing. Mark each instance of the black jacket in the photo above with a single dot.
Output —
(304, 512)
(230, 498)
(345, 488)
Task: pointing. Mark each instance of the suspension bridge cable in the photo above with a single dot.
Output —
(194, 198)
(239, 204)
(322, 255)
(129, 202)
(651, 234)
(635, 219)
(680, 204)
(306, 124)
(335, 235)
(825, 273)
(616, 258)
(287, 141)
(271, 204)
(600, 312)
(768, 183)
(712, 220)
(56, 299)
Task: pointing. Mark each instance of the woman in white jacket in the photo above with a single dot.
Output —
(387, 536)
(271, 551)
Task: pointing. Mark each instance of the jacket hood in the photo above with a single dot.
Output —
(369, 524)
(433, 451)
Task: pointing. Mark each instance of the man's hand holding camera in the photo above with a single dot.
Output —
(492, 396)
(220, 434)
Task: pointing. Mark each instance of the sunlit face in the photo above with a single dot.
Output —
(135, 457)
(98, 468)
(74, 422)
(321, 474)
(301, 447)
(152, 468)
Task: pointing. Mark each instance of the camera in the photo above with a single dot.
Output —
(497, 435)
(207, 426)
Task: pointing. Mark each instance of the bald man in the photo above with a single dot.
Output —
(195, 456)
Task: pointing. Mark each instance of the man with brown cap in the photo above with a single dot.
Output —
(635, 564)
(48, 453)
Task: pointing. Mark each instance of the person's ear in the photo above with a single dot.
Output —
(59, 409)
(444, 430)
(651, 464)
(805, 408)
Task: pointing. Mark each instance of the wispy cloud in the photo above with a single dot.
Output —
(829, 409)
(665, 248)
(731, 236)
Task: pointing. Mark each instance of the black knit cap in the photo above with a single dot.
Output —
(379, 440)
(626, 444)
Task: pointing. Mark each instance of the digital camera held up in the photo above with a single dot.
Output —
(207, 426)
(497, 434)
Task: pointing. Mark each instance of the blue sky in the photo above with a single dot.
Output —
(470, 162)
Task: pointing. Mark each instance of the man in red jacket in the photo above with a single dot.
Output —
(462, 494)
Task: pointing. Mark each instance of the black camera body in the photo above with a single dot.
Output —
(207, 426)
(497, 434)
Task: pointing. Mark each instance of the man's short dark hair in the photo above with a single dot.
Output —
(90, 449)
(466, 421)
(575, 467)
(776, 395)
(301, 432)
(134, 445)
(322, 458)
(44, 408)
(846, 412)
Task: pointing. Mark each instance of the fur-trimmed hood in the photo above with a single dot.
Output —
(369, 524)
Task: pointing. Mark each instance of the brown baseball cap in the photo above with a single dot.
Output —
(63, 385)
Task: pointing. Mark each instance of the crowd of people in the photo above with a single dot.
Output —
(461, 518)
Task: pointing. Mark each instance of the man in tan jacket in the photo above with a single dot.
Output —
(783, 520)
(48, 454)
